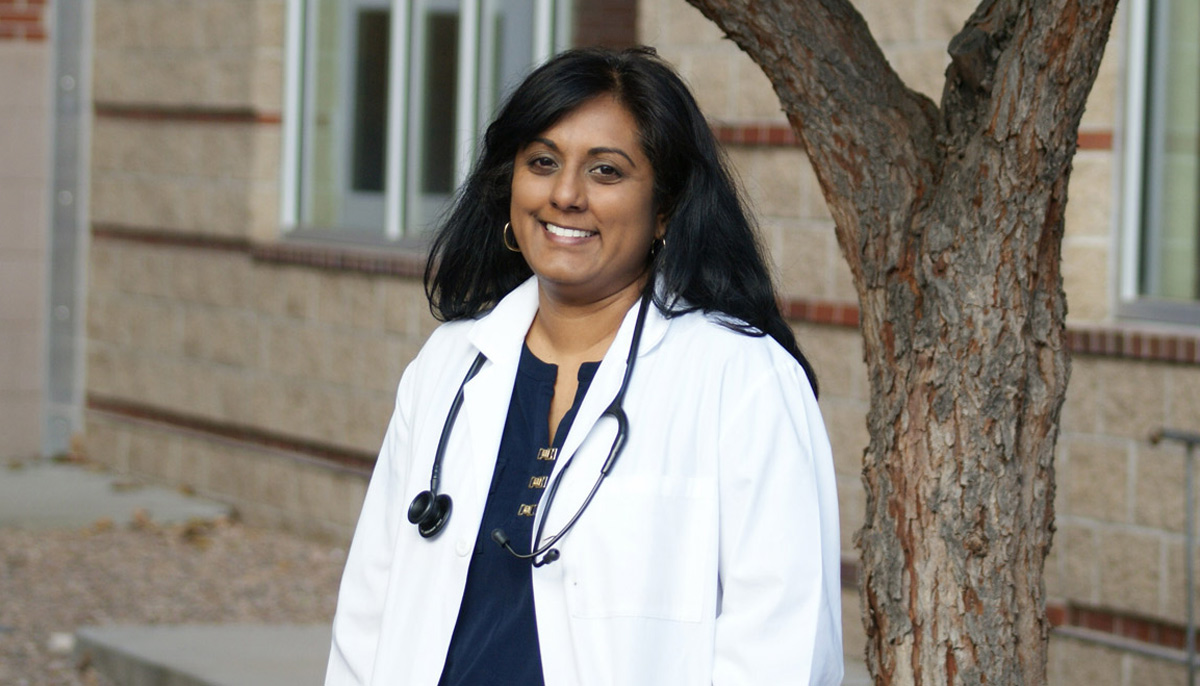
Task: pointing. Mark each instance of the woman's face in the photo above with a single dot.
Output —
(583, 203)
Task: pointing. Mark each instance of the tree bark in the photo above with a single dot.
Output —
(951, 219)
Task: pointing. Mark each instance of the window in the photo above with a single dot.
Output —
(1161, 274)
(387, 99)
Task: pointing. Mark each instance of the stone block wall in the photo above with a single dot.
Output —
(259, 376)
(25, 125)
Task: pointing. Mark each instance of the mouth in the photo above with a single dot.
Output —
(566, 232)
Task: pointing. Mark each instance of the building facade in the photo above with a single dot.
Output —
(263, 173)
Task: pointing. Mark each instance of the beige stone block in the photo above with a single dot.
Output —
(781, 174)
(285, 291)
(402, 303)
(710, 73)
(227, 25)
(104, 265)
(214, 278)
(685, 25)
(226, 337)
(836, 355)
(1174, 572)
(891, 21)
(102, 376)
(267, 81)
(1184, 398)
(1085, 280)
(1090, 203)
(149, 451)
(111, 26)
(1077, 550)
(339, 357)
(1131, 397)
(262, 207)
(1079, 663)
(318, 494)
(1147, 670)
(383, 360)
(921, 69)
(805, 258)
(271, 18)
(842, 287)
(852, 509)
(1159, 487)
(280, 485)
(227, 151)
(366, 419)
(348, 299)
(1080, 409)
(1131, 578)
(106, 442)
(846, 422)
(351, 490)
(754, 98)
(232, 474)
(1107, 95)
(1096, 479)
(171, 24)
(854, 634)
(229, 79)
(151, 325)
(291, 349)
(943, 19)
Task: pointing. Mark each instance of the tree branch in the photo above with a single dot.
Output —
(872, 141)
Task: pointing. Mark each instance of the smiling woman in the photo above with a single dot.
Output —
(692, 501)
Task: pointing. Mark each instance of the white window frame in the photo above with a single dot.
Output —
(552, 23)
(1134, 173)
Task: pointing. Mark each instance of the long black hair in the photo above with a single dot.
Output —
(712, 260)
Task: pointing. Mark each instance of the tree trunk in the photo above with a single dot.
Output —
(951, 219)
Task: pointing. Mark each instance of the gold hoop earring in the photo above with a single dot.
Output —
(504, 236)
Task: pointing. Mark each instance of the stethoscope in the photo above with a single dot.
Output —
(430, 510)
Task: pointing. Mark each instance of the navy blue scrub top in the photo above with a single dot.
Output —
(495, 638)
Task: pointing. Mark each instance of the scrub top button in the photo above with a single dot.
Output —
(462, 547)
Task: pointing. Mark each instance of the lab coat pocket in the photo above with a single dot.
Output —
(649, 550)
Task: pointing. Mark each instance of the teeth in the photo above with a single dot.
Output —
(567, 233)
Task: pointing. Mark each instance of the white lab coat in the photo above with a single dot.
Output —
(710, 555)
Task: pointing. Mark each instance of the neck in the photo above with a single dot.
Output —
(570, 332)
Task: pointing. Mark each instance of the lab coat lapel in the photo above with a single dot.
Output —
(499, 336)
(600, 394)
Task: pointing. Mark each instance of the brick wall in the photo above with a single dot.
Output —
(23, 20)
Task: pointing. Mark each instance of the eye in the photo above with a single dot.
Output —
(607, 172)
(542, 163)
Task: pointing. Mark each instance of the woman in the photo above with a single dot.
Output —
(694, 542)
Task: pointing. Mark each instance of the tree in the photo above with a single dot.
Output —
(951, 219)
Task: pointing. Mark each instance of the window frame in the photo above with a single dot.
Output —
(401, 228)
(1136, 170)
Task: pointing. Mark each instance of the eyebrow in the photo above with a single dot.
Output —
(593, 151)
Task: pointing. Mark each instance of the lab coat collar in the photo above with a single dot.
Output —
(499, 335)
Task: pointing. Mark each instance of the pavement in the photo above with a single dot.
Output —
(45, 495)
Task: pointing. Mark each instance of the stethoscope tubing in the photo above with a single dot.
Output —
(615, 410)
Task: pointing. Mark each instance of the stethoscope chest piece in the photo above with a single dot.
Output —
(430, 513)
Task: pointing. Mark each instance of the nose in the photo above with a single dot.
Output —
(568, 193)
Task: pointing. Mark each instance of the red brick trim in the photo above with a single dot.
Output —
(778, 134)
(173, 239)
(1103, 341)
(342, 458)
(23, 20)
(317, 256)
(1123, 342)
(405, 265)
(1144, 629)
(186, 114)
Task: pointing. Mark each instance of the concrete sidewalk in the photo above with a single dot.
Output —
(44, 495)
